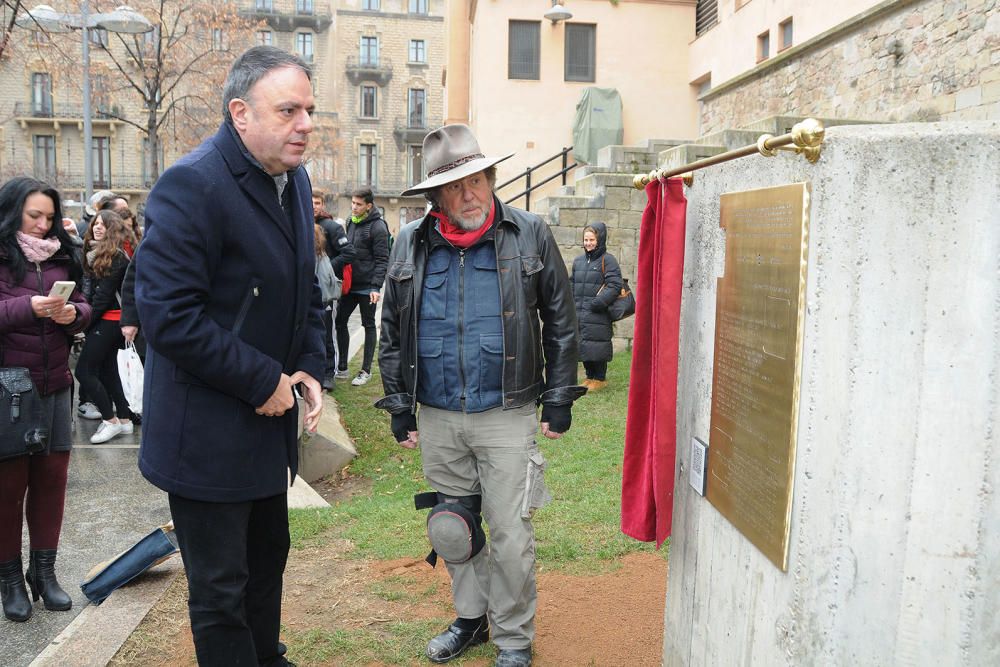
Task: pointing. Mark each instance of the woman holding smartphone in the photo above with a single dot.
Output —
(35, 332)
(105, 262)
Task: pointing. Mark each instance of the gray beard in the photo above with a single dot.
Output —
(466, 224)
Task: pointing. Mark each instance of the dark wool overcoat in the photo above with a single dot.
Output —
(228, 300)
(597, 280)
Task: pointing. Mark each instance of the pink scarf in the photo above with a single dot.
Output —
(36, 249)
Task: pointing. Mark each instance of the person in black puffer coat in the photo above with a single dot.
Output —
(597, 281)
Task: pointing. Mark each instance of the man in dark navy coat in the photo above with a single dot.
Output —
(231, 310)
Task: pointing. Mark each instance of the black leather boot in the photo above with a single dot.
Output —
(16, 605)
(42, 579)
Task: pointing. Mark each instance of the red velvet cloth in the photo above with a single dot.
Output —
(651, 427)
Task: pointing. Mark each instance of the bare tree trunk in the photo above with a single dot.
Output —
(10, 25)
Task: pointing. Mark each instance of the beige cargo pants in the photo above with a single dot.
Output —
(493, 454)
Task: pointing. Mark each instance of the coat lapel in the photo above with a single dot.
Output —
(257, 184)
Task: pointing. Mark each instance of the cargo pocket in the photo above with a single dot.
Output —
(535, 493)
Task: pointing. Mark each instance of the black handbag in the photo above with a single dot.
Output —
(22, 429)
(624, 303)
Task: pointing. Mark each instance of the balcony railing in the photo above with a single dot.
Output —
(409, 131)
(358, 70)
(69, 182)
(70, 111)
(315, 15)
(380, 189)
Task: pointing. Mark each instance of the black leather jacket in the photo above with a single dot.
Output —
(533, 286)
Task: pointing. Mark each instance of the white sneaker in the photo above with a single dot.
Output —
(105, 432)
(127, 428)
(342, 374)
(89, 411)
(362, 378)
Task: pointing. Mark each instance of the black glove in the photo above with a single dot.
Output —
(402, 424)
(559, 417)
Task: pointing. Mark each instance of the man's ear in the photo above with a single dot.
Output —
(239, 109)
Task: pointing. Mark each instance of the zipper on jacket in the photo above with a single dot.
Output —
(41, 325)
(461, 324)
(252, 293)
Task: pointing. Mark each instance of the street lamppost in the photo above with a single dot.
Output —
(123, 19)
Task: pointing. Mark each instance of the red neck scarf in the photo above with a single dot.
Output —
(461, 238)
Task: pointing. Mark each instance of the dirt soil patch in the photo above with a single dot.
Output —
(608, 619)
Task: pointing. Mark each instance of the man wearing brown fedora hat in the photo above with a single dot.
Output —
(478, 328)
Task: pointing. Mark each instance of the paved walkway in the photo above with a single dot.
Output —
(109, 507)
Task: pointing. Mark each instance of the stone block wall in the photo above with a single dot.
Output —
(922, 60)
(622, 213)
(394, 27)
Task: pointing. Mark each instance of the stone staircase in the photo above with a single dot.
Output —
(603, 192)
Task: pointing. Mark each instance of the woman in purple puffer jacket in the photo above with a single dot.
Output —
(35, 332)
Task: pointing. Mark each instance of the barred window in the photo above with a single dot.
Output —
(524, 49)
(581, 50)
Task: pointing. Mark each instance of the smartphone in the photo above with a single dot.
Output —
(63, 289)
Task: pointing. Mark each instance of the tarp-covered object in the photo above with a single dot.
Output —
(598, 123)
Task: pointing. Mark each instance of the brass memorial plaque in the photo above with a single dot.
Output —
(758, 356)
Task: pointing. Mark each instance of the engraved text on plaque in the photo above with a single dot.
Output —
(758, 350)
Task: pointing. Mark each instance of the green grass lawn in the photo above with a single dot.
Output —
(578, 532)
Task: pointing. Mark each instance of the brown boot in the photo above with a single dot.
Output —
(587, 383)
(597, 385)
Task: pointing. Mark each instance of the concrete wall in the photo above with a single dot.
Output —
(894, 545)
(904, 60)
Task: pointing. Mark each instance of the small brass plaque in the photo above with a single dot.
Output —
(758, 356)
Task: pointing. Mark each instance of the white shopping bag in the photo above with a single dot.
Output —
(130, 371)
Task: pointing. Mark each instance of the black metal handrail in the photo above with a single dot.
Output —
(526, 175)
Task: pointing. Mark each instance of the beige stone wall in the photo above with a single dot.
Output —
(394, 27)
(17, 130)
(928, 60)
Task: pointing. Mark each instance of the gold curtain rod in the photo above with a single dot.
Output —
(806, 136)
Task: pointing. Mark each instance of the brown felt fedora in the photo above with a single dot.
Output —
(450, 153)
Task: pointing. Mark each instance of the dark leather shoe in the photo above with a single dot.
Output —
(454, 641)
(514, 657)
